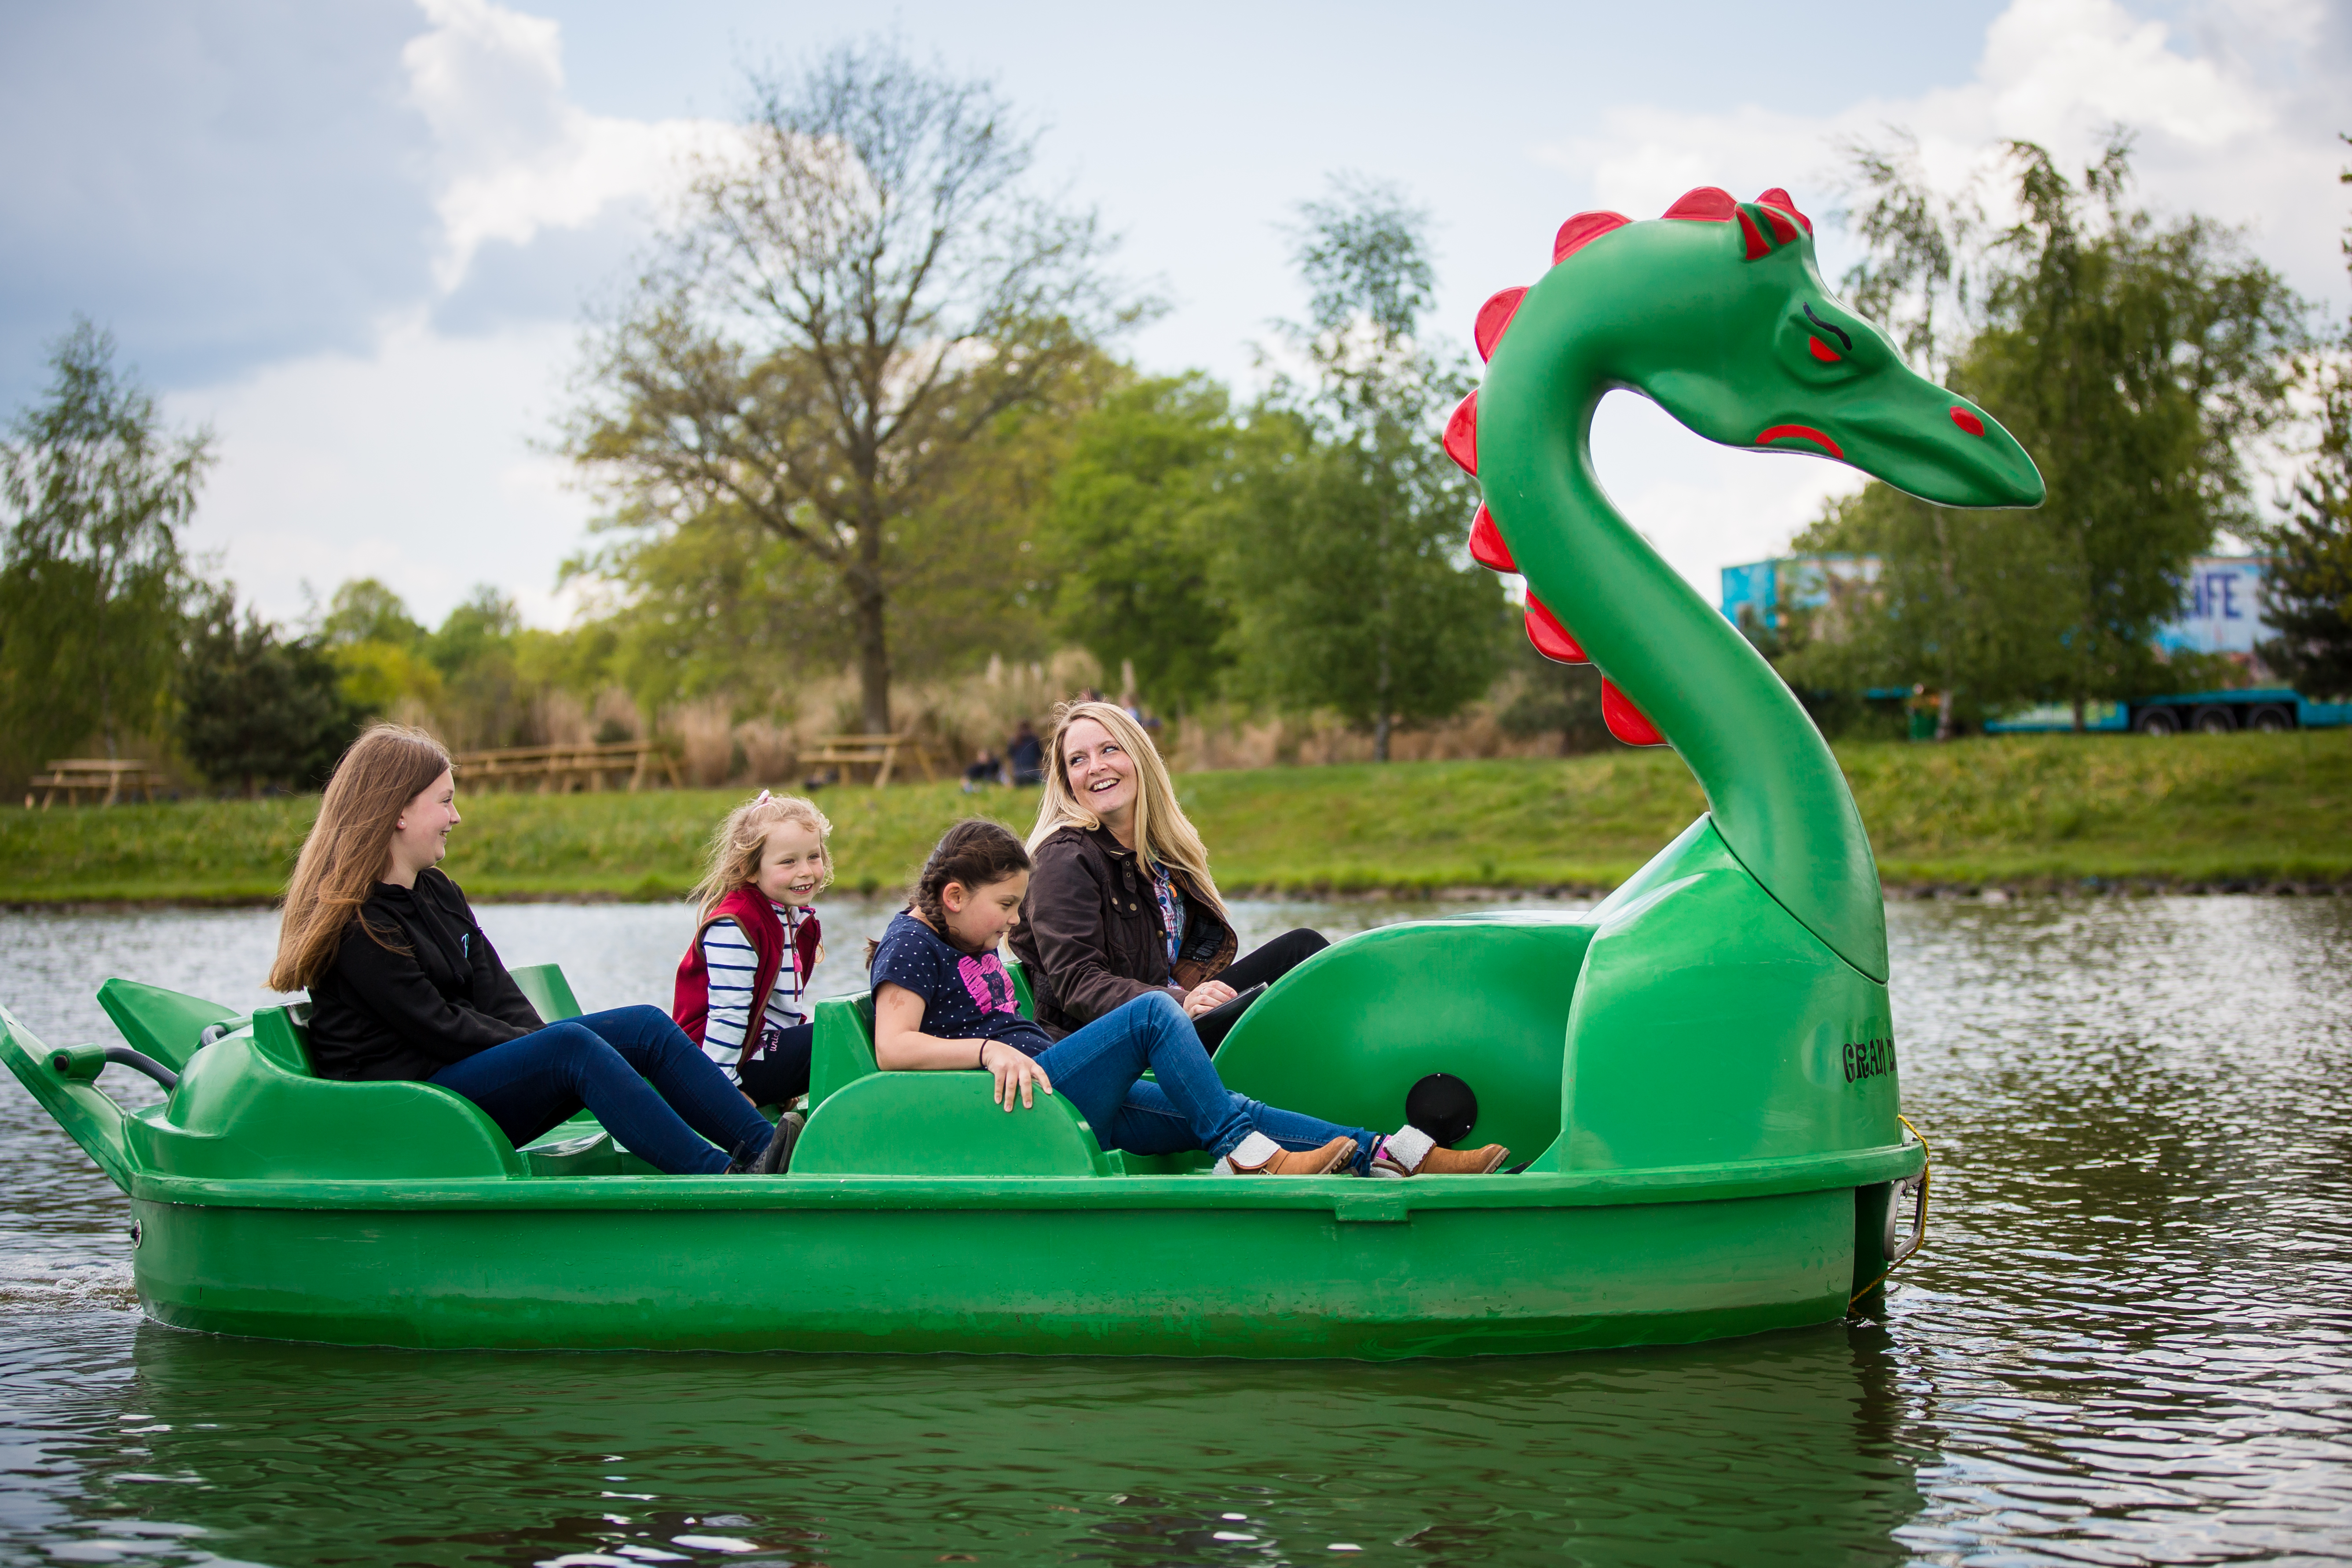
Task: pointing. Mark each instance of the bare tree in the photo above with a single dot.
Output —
(848, 303)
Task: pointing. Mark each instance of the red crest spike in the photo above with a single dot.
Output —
(1751, 235)
(1777, 198)
(1551, 640)
(1486, 546)
(1461, 435)
(1708, 204)
(1625, 721)
(1583, 230)
(1783, 231)
(1494, 316)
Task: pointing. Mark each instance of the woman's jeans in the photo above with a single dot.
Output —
(651, 1087)
(1188, 1108)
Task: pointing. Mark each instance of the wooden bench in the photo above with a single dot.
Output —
(879, 752)
(102, 777)
(558, 770)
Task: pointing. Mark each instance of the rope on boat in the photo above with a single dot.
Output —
(1893, 1201)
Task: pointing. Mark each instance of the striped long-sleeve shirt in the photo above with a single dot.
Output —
(733, 965)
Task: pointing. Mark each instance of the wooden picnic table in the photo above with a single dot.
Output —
(558, 770)
(879, 752)
(109, 777)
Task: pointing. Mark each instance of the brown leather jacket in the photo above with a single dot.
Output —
(1091, 936)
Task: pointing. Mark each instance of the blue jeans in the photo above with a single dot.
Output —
(1189, 1107)
(605, 1061)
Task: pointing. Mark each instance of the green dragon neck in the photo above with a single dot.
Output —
(1779, 799)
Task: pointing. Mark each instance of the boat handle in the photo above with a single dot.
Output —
(1898, 1248)
(82, 1064)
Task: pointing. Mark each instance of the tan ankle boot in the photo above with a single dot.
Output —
(1409, 1152)
(1259, 1155)
(1463, 1161)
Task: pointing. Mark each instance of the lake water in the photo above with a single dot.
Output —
(2130, 1340)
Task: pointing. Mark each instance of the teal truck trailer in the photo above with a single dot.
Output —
(2267, 708)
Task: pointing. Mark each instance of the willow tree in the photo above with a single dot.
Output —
(93, 577)
(857, 292)
(2135, 358)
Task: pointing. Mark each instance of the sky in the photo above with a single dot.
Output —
(361, 242)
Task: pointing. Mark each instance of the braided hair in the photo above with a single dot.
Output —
(975, 852)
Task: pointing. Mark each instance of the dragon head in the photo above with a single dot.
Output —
(1748, 347)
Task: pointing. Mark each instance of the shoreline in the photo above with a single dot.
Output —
(2003, 891)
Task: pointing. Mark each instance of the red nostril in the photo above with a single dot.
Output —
(1968, 421)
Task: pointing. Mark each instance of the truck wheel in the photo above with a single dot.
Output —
(2156, 721)
(2271, 720)
(2214, 720)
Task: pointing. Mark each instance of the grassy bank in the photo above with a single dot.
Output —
(2014, 810)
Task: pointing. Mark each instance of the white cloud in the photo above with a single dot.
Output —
(515, 154)
(414, 464)
(414, 461)
(2215, 135)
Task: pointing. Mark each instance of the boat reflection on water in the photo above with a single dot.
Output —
(1781, 1448)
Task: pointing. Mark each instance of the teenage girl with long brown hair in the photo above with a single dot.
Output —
(404, 984)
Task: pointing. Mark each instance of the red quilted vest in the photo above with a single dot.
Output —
(749, 909)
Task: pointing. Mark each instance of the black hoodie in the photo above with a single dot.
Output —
(382, 1013)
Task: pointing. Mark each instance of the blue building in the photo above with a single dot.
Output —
(2220, 601)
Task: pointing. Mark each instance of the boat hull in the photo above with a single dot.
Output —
(1354, 1274)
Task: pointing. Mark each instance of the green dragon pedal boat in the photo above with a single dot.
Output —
(1702, 1067)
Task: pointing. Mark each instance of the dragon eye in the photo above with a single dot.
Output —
(1822, 351)
(1831, 328)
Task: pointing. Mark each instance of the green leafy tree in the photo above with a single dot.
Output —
(1141, 512)
(2133, 358)
(258, 709)
(485, 700)
(1347, 576)
(378, 647)
(847, 311)
(2307, 592)
(93, 581)
(364, 610)
(1963, 604)
(716, 605)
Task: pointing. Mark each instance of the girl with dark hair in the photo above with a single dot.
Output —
(404, 984)
(942, 1000)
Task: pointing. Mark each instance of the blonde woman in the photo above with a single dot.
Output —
(404, 984)
(1121, 902)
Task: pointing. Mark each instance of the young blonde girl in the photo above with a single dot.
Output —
(742, 986)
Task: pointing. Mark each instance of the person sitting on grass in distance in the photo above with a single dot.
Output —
(405, 986)
(1025, 757)
(985, 770)
(742, 986)
(943, 1000)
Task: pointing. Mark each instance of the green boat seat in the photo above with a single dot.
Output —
(1347, 1034)
(865, 1121)
(944, 1124)
(544, 988)
(165, 1025)
(248, 1106)
(841, 1051)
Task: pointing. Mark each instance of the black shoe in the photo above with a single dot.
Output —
(777, 1158)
